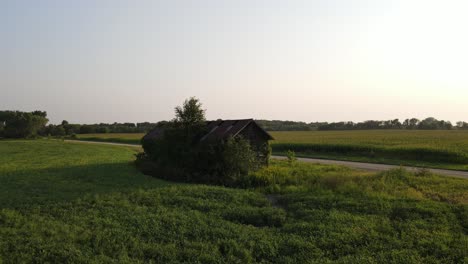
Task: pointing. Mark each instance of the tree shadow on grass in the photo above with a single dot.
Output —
(26, 188)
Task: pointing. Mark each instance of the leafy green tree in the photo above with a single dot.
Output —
(462, 125)
(413, 123)
(16, 124)
(190, 114)
(59, 131)
(67, 127)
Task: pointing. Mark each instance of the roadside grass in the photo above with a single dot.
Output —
(421, 148)
(96, 208)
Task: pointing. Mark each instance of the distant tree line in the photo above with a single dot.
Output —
(18, 124)
(66, 128)
(429, 123)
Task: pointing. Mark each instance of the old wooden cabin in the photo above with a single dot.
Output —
(220, 130)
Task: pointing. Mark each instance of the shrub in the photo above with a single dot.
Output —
(237, 161)
(291, 156)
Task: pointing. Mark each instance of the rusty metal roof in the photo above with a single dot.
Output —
(222, 129)
(217, 130)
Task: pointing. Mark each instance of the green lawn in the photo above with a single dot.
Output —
(37, 172)
(81, 203)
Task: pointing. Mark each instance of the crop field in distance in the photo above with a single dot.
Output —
(426, 148)
(69, 202)
(128, 138)
(436, 148)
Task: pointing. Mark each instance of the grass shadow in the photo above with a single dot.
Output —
(31, 187)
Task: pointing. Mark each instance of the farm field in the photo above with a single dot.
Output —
(64, 202)
(436, 148)
(128, 138)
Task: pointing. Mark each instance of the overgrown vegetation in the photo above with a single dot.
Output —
(70, 203)
(179, 154)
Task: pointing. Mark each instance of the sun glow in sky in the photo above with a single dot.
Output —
(330, 60)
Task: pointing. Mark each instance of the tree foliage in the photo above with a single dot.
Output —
(16, 124)
(190, 114)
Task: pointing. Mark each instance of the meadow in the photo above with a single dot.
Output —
(64, 202)
(425, 148)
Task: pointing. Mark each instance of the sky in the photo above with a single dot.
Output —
(93, 61)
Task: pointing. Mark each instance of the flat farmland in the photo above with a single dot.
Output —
(427, 148)
(437, 148)
(128, 138)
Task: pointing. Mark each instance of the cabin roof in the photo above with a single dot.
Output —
(218, 130)
(222, 129)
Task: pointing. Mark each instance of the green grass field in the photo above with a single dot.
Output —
(42, 171)
(436, 149)
(63, 202)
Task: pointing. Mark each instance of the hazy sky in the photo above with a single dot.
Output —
(105, 61)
